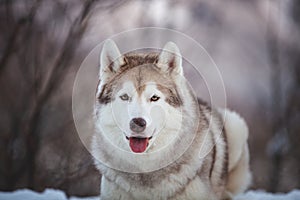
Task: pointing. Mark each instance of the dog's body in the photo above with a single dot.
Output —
(146, 117)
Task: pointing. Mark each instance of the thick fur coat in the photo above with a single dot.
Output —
(154, 139)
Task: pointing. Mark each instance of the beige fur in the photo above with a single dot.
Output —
(204, 158)
(237, 135)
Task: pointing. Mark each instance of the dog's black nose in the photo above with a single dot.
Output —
(138, 125)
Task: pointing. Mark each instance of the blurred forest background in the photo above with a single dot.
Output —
(255, 43)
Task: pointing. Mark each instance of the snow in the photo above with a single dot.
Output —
(48, 194)
(52, 194)
(261, 195)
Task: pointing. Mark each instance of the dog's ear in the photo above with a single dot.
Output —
(110, 59)
(170, 60)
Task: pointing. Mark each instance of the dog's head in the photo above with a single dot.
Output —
(138, 97)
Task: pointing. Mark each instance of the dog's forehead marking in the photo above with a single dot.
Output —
(141, 69)
(144, 75)
(152, 88)
(147, 89)
(141, 75)
(140, 87)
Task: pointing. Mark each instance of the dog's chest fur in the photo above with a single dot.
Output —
(190, 177)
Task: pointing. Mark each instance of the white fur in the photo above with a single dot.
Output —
(237, 135)
(173, 129)
(110, 54)
(158, 115)
(171, 54)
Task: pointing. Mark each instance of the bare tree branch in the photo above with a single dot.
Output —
(62, 63)
(10, 45)
(275, 150)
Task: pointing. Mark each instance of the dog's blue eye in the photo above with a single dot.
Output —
(124, 97)
(154, 98)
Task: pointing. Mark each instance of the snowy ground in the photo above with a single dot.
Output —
(48, 194)
(51, 194)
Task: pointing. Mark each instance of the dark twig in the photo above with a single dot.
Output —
(62, 63)
(275, 151)
(10, 45)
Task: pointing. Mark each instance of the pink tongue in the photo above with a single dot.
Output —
(138, 145)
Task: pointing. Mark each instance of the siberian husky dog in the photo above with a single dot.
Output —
(155, 140)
